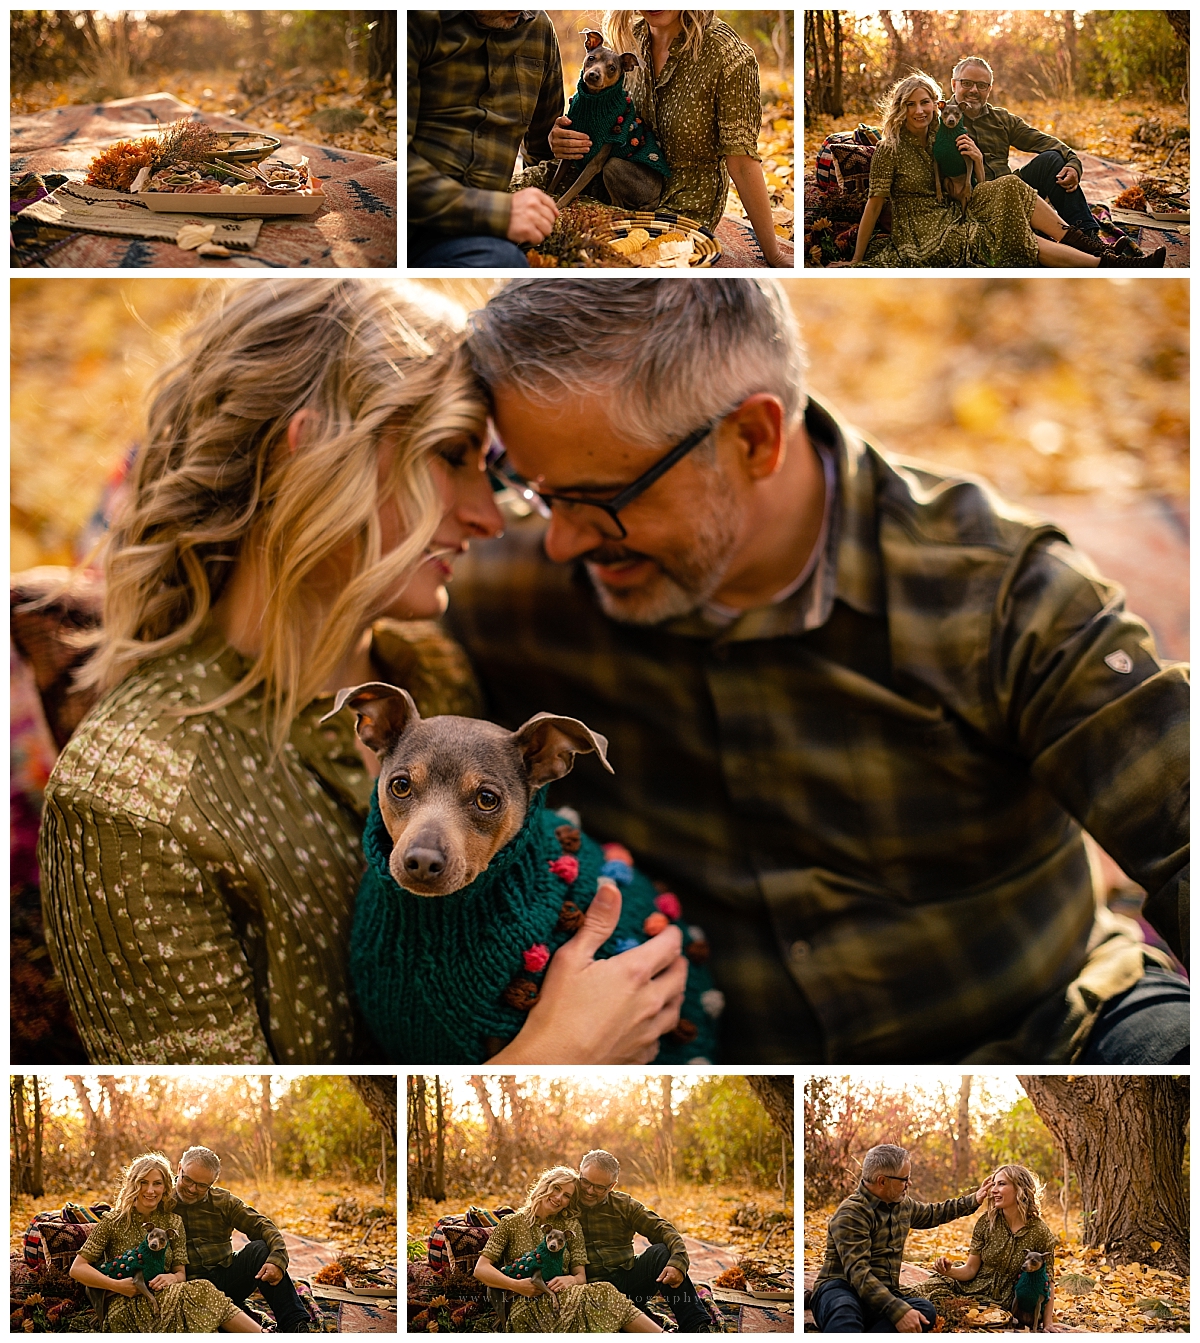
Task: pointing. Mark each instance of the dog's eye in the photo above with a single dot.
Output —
(400, 787)
(486, 800)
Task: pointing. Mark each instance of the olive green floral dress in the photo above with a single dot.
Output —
(197, 894)
(702, 109)
(195, 1307)
(993, 230)
(1002, 1253)
(591, 1308)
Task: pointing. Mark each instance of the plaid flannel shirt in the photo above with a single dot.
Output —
(866, 1244)
(609, 1229)
(870, 795)
(996, 129)
(210, 1223)
(474, 95)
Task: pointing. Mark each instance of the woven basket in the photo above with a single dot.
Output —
(657, 222)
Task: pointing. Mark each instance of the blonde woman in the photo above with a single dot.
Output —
(697, 87)
(577, 1306)
(146, 1198)
(312, 467)
(1011, 1226)
(995, 229)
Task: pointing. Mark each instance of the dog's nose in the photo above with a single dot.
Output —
(424, 863)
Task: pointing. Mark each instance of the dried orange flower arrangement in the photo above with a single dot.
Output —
(181, 142)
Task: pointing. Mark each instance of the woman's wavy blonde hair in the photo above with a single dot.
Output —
(1029, 1190)
(891, 106)
(545, 1182)
(618, 29)
(138, 1169)
(365, 360)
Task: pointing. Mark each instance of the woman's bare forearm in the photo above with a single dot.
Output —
(748, 177)
(866, 226)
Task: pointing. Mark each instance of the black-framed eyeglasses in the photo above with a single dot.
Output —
(595, 1188)
(195, 1184)
(905, 1180)
(976, 84)
(573, 504)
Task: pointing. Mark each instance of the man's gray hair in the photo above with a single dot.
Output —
(886, 1159)
(669, 354)
(205, 1156)
(605, 1160)
(972, 60)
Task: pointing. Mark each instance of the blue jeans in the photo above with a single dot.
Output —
(1072, 208)
(494, 252)
(237, 1281)
(837, 1310)
(1146, 1024)
(639, 1282)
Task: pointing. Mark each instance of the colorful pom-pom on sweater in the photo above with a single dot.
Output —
(441, 979)
(610, 118)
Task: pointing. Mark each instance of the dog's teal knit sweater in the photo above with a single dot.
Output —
(611, 118)
(528, 1264)
(151, 1262)
(437, 977)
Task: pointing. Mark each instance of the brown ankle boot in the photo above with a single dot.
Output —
(1156, 260)
(1083, 241)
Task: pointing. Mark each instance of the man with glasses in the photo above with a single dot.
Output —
(858, 1288)
(210, 1215)
(610, 1220)
(859, 710)
(1054, 173)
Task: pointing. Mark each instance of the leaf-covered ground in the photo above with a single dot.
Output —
(1128, 1299)
(777, 149)
(339, 109)
(302, 1207)
(702, 1211)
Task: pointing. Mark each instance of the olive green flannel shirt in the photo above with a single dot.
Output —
(870, 795)
(996, 129)
(866, 1244)
(474, 94)
(210, 1223)
(609, 1229)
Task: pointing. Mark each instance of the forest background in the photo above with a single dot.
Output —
(1112, 82)
(711, 1154)
(325, 76)
(315, 1154)
(1113, 1153)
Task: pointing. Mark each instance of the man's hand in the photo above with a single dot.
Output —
(1068, 179)
(609, 1011)
(565, 144)
(533, 215)
(912, 1323)
(671, 1276)
(269, 1273)
(984, 1190)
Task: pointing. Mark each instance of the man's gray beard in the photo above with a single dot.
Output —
(685, 583)
(488, 19)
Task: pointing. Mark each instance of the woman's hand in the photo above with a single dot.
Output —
(607, 1011)
(123, 1286)
(165, 1280)
(942, 1264)
(970, 150)
(565, 144)
(561, 1284)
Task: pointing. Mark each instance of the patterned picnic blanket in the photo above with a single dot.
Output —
(739, 246)
(355, 227)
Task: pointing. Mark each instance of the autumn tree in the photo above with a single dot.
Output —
(1124, 1137)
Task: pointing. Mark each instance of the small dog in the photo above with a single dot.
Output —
(624, 150)
(949, 163)
(1032, 1292)
(544, 1262)
(471, 884)
(147, 1260)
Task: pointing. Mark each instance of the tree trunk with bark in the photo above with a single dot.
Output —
(1124, 1137)
(379, 1095)
(439, 1156)
(382, 47)
(778, 1097)
(836, 106)
(36, 1188)
(962, 1135)
(666, 1134)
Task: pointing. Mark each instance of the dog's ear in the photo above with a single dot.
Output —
(383, 710)
(941, 104)
(629, 61)
(592, 39)
(549, 744)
